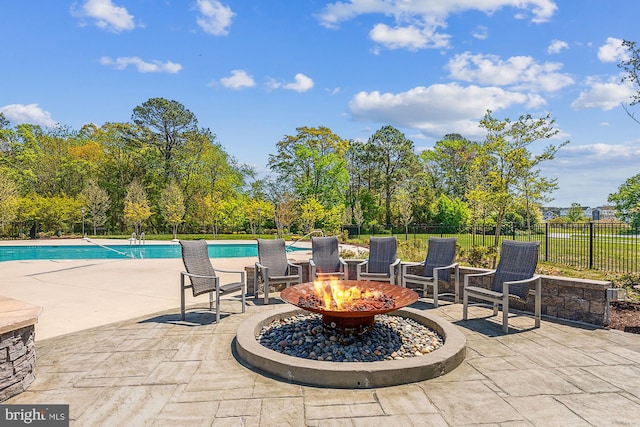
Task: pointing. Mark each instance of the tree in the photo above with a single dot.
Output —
(504, 161)
(404, 209)
(313, 162)
(452, 213)
(627, 201)
(311, 211)
(136, 206)
(358, 216)
(171, 206)
(96, 201)
(393, 153)
(448, 165)
(164, 125)
(576, 213)
(631, 65)
(285, 212)
(9, 199)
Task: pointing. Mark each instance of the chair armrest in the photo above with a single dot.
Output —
(406, 265)
(362, 264)
(437, 270)
(505, 285)
(296, 266)
(342, 262)
(466, 277)
(262, 270)
(395, 263)
(184, 273)
(311, 263)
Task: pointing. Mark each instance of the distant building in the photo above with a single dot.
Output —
(595, 214)
(604, 213)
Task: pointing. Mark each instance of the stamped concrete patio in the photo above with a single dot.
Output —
(157, 370)
(110, 344)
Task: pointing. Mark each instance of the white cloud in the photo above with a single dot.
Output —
(31, 113)
(520, 72)
(301, 83)
(238, 80)
(556, 46)
(214, 18)
(410, 37)
(612, 51)
(604, 95)
(436, 110)
(154, 66)
(416, 23)
(592, 171)
(107, 15)
(481, 32)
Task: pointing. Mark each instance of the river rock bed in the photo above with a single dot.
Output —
(391, 338)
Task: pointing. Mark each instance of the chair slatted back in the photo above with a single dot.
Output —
(325, 254)
(195, 256)
(273, 254)
(518, 261)
(382, 253)
(440, 252)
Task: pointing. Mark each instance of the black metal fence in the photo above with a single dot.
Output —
(611, 247)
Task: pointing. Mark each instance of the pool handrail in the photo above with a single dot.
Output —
(305, 236)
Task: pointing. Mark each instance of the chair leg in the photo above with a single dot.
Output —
(217, 308)
(456, 291)
(244, 301)
(210, 301)
(435, 292)
(182, 308)
(465, 304)
(266, 292)
(538, 302)
(495, 309)
(505, 314)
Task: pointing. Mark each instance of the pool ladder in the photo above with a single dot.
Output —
(137, 240)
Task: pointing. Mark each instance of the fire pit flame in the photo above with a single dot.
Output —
(333, 296)
(348, 305)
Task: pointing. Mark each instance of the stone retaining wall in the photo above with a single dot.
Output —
(566, 298)
(17, 346)
(17, 361)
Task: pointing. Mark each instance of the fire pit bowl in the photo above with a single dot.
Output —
(367, 299)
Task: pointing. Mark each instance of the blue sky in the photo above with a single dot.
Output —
(253, 71)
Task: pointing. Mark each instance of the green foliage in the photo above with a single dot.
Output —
(171, 205)
(504, 162)
(480, 256)
(627, 201)
(96, 202)
(136, 206)
(451, 213)
(576, 213)
(313, 163)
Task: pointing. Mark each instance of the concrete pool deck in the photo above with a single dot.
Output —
(81, 294)
(153, 369)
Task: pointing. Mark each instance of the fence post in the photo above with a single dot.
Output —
(546, 241)
(590, 245)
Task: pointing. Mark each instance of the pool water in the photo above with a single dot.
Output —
(224, 250)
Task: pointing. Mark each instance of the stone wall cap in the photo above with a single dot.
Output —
(16, 314)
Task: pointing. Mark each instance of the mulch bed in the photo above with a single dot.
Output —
(625, 316)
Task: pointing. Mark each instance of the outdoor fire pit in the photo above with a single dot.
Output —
(355, 317)
(348, 305)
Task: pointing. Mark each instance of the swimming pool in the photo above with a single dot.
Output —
(48, 252)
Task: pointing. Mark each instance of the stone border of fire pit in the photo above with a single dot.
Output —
(352, 374)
